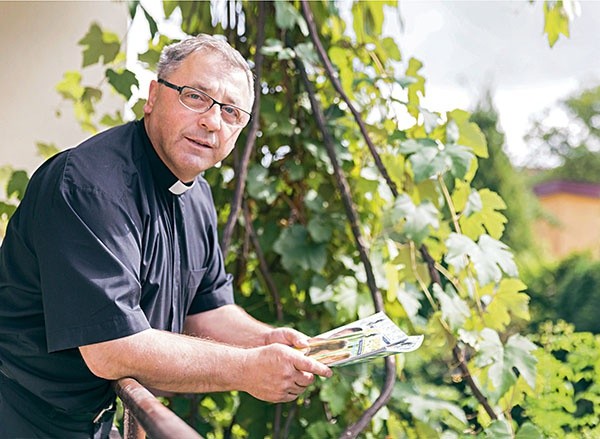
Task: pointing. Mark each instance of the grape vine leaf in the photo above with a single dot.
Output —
(516, 354)
(455, 311)
(481, 214)
(489, 256)
(556, 21)
(99, 44)
(122, 81)
(506, 300)
(430, 158)
(417, 219)
(298, 251)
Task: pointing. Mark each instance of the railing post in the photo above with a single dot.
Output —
(145, 414)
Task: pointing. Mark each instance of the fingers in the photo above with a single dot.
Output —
(314, 367)
(282, 373)
(289, 337)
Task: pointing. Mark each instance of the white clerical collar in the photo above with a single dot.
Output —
(179, 187)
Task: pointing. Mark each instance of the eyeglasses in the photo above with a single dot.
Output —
(198, 101)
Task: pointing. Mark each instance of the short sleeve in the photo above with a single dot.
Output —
(89, 253)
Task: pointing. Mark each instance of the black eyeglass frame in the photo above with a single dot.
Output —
(179, 89)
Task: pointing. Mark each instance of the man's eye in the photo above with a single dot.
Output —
(194, 96)
(232, 111)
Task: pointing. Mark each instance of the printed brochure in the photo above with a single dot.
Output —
(372, 337)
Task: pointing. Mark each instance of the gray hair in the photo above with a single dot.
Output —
(173, 55)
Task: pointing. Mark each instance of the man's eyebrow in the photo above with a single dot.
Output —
(229, 99)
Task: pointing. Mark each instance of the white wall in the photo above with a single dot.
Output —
(38, 43)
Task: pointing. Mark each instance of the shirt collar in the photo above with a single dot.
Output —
(179, 187)
(163, 176)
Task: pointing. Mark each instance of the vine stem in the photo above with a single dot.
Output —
(390, 363)
(242, 168)
(333, 77)
(262, 263)
(355, 429)
(343, 186)
(456, 351)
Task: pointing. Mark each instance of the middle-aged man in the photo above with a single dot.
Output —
(113, 254)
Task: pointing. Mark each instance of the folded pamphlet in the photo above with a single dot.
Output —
(363, 340)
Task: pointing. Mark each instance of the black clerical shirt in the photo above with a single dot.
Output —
(105, 243)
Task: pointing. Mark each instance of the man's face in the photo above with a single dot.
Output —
(186, 141)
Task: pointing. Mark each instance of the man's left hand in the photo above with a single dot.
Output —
(287, 336)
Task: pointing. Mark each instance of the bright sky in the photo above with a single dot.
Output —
(467, 46)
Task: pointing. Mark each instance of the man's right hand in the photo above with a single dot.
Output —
(279, 373)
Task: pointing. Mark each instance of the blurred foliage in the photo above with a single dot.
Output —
(573, 145)
(568, 290)
(498, 174)
(566, 403)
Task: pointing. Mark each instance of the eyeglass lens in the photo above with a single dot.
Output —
(200, 102)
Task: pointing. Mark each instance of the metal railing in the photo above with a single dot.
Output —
(144, 414)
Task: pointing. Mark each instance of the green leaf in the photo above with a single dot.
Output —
(111, 121)
(122, 81)
(455, 311)
(138, 108)
(422, 406)
(416, 89)
(307, 53)
(460, 247)
(430, 158)
(430, 120)
(99, 44)
(518, 353)
(481, 215)
(133, 8)
(336, 392)
(470, 134)
(70, 87)
(297, 250)
(155, 47)
(287, 16)
(499, 429)
(320, 229)
(489, 257)
(492, 258)
(529, 431)
(556, 21)
(507, 300)
(260, 185)
(46, 150)
(412, 220)
(6, 209)
(320, 291)
(391, 50)
(17, 184)
(151, 23)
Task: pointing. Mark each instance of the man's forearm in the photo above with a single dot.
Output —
(179, 363)
(168, 362)
(228, 324)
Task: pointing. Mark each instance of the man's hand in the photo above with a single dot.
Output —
(287, 336)
(278, 373)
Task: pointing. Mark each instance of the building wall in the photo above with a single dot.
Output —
(38, 43)
(573, 225)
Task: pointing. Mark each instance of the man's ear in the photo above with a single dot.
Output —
(152, 92)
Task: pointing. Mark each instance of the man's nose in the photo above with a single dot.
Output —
(211, 120)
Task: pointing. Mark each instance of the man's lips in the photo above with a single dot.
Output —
(200, 142)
